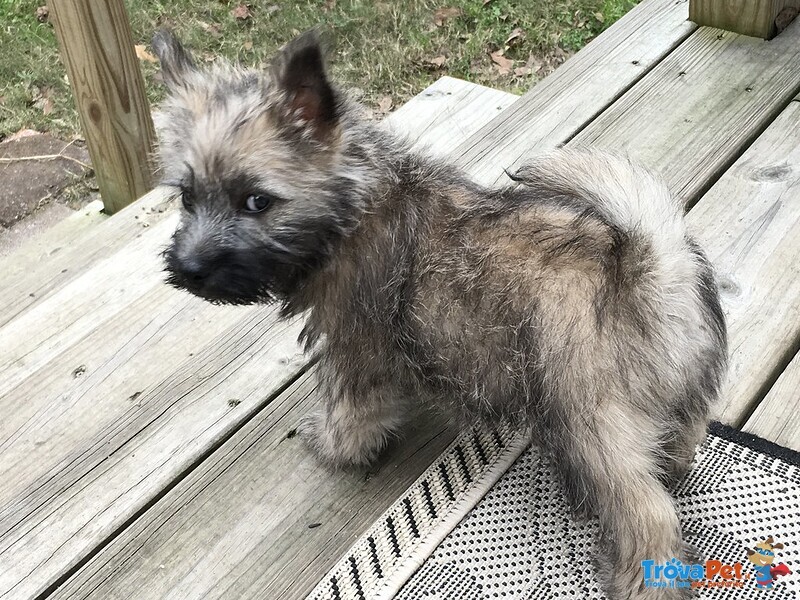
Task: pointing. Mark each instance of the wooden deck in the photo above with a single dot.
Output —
(143, 439)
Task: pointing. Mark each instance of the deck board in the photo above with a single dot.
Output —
(558, 107)
(114, 383)
(237, 490)
(777, 417)
(749, 223)
(261, 491)
(708, 100)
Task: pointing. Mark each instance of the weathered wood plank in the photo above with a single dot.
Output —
(97, 48)
(709, 100)
(266, 532)
(748, 17)
(31, 282)
(69, 229)
(562, 104)
(777, 417)
(749, 224)
(284, 558)
(103, 413)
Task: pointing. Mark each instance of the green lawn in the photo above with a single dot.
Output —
(389, 50)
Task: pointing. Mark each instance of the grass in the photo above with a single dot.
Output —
(387, 49)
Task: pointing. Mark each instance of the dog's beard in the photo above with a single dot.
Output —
(261, 276)
(231, 283)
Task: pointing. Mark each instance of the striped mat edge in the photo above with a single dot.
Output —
(378, 565)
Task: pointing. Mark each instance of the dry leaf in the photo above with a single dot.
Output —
(599, 16)
(443, 14)
(212, 29)
(504, 65)
(522, 71)
(143, 54)
(517, 36)
(22, 133)
(45, 104)
(242, 12)
(248, 45)
(385, 104)
(42, 14)
(437, 61)
(485, 2)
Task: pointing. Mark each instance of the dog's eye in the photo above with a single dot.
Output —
(255, 204)
(186, 198)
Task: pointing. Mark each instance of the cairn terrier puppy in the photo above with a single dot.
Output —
(573, 301)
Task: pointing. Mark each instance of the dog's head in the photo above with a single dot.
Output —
(261, 161)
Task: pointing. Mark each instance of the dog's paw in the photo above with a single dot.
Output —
(339, 448)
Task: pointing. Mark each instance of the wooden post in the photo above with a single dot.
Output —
(97, 48)
(757, 18)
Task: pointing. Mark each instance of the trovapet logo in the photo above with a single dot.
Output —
(762, 572)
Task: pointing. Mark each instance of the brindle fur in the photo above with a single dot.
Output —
(572, 301)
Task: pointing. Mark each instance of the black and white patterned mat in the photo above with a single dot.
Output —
(488, 521)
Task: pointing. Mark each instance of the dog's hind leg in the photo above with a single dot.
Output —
(608, 462)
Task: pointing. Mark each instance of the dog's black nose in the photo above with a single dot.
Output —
(194, 270)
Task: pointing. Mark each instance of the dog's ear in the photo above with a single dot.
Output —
(176, 62)
(299, 72)
(749, 551)
(778, 546)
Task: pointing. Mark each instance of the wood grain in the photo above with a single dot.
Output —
(97, 48)
(562, 104)
(101, 414)
(66, 231)
(693, 115)
(749, 224)
(278, 519)
(748, 17)
(777, 417)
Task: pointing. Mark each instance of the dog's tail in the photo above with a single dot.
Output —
(627, 196)
(662, 267)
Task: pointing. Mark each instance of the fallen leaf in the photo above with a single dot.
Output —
(143, 54)
(517, 36)
(522, 71)
(212, 29)
(436, 62)
(504, 64)
(385, 104)
(443, 14)
(485, 2)
(242, 12)
(248, 45)
(22, 133)
(599, 16)
(42, 14)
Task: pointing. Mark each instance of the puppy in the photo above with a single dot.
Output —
(573, 302)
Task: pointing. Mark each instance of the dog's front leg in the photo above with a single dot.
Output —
(358, 417)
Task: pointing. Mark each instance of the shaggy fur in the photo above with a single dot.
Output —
(573, 302)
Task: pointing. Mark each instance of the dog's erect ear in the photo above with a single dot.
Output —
(299, 72)
(176, 62)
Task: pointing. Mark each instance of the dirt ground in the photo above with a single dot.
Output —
(42, 180)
